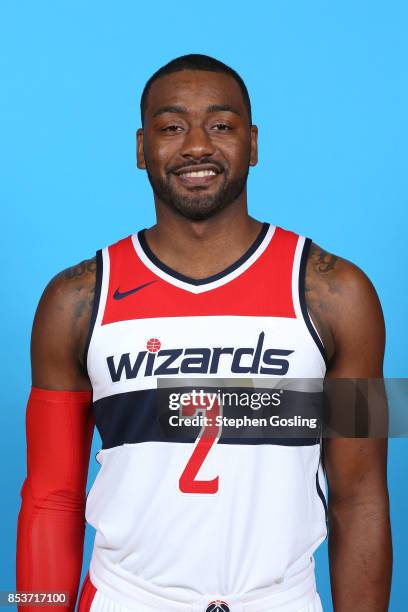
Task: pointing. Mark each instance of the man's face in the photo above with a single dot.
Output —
(197, 143)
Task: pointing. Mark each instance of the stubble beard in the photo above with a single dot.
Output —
(198, 206)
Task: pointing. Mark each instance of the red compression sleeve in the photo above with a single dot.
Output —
(51, 522)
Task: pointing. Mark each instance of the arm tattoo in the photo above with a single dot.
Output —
(88, 265)
(321, 287)
(84, 304)
(322, 260)
(80, 279)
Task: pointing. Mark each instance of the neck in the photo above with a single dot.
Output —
(202, 248)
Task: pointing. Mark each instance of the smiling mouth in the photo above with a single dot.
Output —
(198, 176)
(198, 173)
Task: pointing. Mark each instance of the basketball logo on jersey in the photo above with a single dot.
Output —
(217, 606)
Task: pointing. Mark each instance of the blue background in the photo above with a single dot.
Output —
(329, 88)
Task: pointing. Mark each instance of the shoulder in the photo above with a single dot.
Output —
(340, 297)
(62, 317)
(70, 290)
(333, 273)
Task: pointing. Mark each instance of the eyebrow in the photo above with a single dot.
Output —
(213, 108)
(216, 108)
(169, 109)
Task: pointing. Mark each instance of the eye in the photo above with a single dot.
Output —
(221, 127)
(172, 128)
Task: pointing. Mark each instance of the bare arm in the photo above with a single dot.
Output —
(60, 328)
(347, 312)
(59, 428)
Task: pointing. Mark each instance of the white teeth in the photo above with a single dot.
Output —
(199, 173)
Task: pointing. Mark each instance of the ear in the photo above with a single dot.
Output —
(139, 150)
(253, 160)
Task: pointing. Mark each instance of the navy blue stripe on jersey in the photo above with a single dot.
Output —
(210, 279)
(302, 299)
(322, 497)
(144, 416)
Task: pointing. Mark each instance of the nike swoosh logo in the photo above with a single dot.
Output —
(119, 295)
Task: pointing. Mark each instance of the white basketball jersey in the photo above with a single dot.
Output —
(180, 518)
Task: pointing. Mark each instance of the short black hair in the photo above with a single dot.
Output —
(194, 61)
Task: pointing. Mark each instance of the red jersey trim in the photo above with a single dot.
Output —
(135, 291)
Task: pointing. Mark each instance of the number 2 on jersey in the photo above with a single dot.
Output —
(188, 482)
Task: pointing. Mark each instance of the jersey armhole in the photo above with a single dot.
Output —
(95, 305)
(300, 263)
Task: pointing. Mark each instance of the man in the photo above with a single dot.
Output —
(230, 525)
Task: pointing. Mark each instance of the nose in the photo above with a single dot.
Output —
(197, 144)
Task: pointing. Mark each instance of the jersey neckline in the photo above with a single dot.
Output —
(199, 285)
